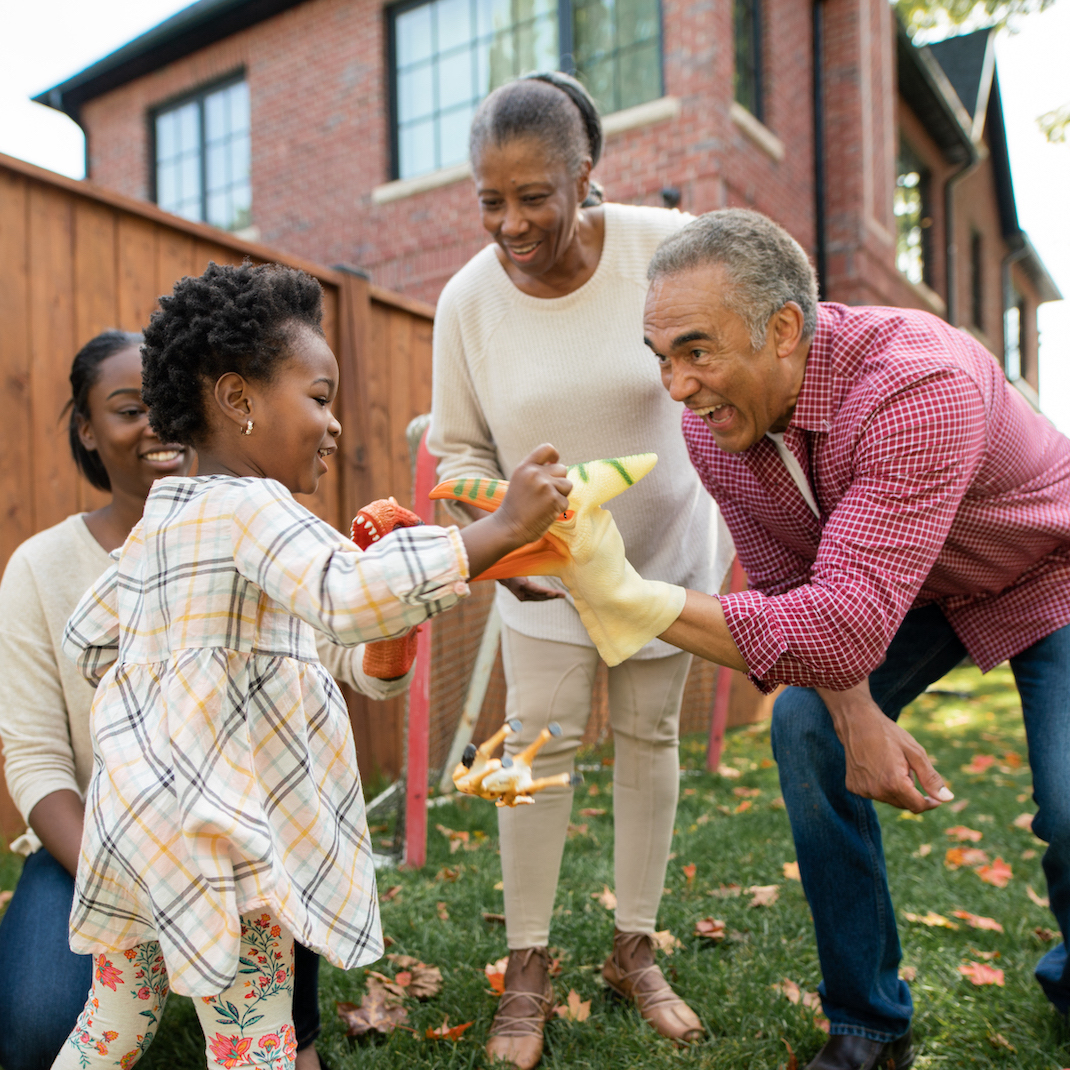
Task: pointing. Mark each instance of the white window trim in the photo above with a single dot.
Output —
(757, 132)
(653, 111)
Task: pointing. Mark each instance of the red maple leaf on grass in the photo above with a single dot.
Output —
(998, 874)
(980, 974)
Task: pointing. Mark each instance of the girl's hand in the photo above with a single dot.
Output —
(538, 494)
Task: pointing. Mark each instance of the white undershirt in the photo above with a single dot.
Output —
(791, 463)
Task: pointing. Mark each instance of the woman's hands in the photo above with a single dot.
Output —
(538, 492)
(882, 758)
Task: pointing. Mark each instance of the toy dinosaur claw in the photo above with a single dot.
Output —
(554, 729)
(575, 780)
(469, 756)
(514, 724)
(485, 494)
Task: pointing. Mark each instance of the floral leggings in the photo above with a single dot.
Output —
(248, 1025)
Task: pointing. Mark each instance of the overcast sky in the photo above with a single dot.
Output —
(43, 43)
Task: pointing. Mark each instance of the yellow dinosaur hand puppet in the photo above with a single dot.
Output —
(508, 781)
(620, 610)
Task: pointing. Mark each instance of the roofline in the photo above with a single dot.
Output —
(191, 29)
(1028, 259)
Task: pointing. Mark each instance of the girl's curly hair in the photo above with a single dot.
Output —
(230, 319)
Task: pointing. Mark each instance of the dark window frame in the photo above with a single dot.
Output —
(755, 47)
(205, 89)
(977, 282)
(565, 62)
(925, 193)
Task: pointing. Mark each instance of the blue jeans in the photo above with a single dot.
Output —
(838, 838)
(43, 984)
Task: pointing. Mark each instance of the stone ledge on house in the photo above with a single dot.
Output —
(757, 132)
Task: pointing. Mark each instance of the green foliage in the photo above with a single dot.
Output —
(954, 14)
(1055, 124)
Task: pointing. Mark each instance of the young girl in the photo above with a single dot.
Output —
(225, 817)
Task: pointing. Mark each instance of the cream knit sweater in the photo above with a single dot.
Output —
(44, 714)
(511, 371)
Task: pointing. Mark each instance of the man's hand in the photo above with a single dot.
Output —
(527, 591)
(882, 758)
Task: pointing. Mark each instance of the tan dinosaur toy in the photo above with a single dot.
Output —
(620, 610)
(508, 781)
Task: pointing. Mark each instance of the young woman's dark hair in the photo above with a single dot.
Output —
(550, 106)
(230, 319)
(84, 373)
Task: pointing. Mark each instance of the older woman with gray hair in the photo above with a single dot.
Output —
(539, 337)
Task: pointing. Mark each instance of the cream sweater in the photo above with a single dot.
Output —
(44, 715)
(511, 371)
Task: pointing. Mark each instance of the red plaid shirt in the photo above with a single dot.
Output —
(936, 482)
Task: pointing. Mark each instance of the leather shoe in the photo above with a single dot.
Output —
(516, 1034)
(858, 1053)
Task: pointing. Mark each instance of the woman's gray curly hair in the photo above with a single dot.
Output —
(765, 265)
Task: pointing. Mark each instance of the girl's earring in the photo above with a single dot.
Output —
(248, 428)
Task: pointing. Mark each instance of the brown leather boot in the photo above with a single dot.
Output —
(632, 973)
(524, 1008)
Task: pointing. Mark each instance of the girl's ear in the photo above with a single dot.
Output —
(233, 398)
(85, 432)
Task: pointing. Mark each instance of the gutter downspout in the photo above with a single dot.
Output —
(821, 241)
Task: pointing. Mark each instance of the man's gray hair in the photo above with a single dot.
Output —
(765, 265)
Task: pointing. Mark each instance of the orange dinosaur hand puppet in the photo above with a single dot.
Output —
(388, 658)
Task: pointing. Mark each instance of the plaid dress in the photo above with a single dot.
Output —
(225, 777)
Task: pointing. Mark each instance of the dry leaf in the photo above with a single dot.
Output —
(495, 972)
(964, 856)
(690, 791)
(573, 1009)
(393, 992)
(728, 771)
(908, 973)
(443, 913)
(980, 763)
(958, 807)
(988, 956)
(980, 974)
(702, 819)
(746, 804)
(998, 1040)
(665, 941)
(793, 1063)
(747, 793)
(1013, 759)
(689, 872)
(457, 839)
(605, 897)
(923, 851)
(763, 895)
(422, 982)
(789, 989)
(727, 891)
(448, 874)
(822, 1023)
(791, 871)
(447, 1032)
(710, 928)
(934, 921)
(5, 897)
(390, 894)
(1040, 900)
(1028, 855)
(975, 921)
(373, 1013)
(962, 834)
(499, 887)
(777, 803)
(594, 790)
(493, 919)
(592, 811)
(1044, 935)
(1023, 821)
(576, 830)
(999, 873)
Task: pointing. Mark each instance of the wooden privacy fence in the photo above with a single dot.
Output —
(76, 259)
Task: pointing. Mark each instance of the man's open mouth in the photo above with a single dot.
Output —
(716, 415)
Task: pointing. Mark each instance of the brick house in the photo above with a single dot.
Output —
(337, 129)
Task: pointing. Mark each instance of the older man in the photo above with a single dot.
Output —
(896, 505)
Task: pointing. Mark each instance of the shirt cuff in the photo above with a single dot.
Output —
(755, 635)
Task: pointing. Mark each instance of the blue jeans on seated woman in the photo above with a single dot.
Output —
(43, 984)
(838, 838)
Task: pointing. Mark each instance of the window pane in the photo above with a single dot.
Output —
(617, 49)
(455, 79)
(165, 136)
(910, 207)
(188, 119)
(412, 33)
(592, 30)
(454, 23)
(217, 167)
(415, 93)
(216, 117)
(165, 186)
(637, 21)
(416, 148)
(640, 78)
(453, 136)
(239, 159)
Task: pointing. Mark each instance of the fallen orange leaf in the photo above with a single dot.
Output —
(746, 804)
(592, 811)
(606, 897)
(665, 941)
(689, 872)
(999, 873)
(980, 763)
(376, 1011)
(933, 920)
(443, 913)
(728, 771)
(447, 873)
(789, 989)
(457, 839)
(791, 871)
(448, 1032)
(495, 972)
(958, 807)
(1024, 821)
(964, 856)
(727, 891)
(908, 973)
(763, 895)
(710, 928)
(980, 974)
(577, 830)
(1039, 900)
(1044, 935)
(1013, 759)
(594, 790)
(793, 1063)
(975, 921)
(574, 1009)
(390, 894)
(747, 793)
(998, 1040)
(962, 833)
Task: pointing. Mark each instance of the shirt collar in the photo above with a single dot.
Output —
(817, 403)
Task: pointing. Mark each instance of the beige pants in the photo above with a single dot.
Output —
(551, 681)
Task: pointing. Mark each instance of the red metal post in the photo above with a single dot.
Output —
(419, 726)
(723, 692)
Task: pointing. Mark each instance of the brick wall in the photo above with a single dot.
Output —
(320, 137)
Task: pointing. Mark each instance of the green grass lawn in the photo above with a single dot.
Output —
(731, 984)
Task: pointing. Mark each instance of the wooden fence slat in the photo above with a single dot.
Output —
(175, 259)
(138, 291)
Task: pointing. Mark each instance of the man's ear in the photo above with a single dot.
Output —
(583, 181)
(788, 329)
(233, 398)
(85, 432)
